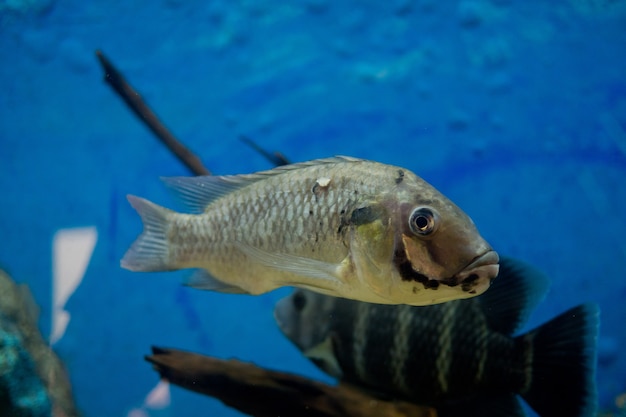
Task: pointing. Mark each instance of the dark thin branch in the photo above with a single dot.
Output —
(116, 80)
(276, 158)
(263, 393)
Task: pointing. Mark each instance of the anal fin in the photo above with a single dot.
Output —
(203, 280)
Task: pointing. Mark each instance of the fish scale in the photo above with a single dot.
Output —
(401, 348)
(444, 345)
(363, 316)
(463, 324)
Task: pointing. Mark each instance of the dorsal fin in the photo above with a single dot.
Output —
(516, 292)
(198, 192)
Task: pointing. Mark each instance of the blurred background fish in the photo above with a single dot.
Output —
(461, 356)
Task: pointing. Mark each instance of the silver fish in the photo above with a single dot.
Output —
(339, 226)
(459, 357)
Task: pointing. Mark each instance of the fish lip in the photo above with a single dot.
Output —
(476, 277)
(488, 258)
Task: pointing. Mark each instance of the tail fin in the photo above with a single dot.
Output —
(563, 364)
(150, 251)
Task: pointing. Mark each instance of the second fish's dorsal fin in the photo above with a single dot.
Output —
(199, 192)
(514, 294)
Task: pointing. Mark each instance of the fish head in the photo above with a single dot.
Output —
(439, 253)
(418, 250)
(304, 318)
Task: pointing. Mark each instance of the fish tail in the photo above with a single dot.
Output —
(562, 365)
(150, 251)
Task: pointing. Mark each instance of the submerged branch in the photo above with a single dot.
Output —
(134, 101)
(263, 393)
(276, 158)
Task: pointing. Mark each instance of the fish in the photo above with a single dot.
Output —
(339, 226)
(462, 357)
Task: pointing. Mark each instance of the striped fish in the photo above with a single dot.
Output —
(460, 357)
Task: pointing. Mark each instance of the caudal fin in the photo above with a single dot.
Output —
(563, 364)
(150, 251)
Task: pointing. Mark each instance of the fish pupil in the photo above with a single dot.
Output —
(421, 222)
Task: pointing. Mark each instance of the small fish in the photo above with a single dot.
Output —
(460, 357)
(339, 226)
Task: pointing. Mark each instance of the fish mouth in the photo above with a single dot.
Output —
(473, 279)
(476, 277)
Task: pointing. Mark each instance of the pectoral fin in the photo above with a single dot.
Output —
(203, 280)
(323, 355)
(315, 274)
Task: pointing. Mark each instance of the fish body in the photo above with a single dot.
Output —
(339, 226)
(460, 357)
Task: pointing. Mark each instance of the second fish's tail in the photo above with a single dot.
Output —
(563, 364)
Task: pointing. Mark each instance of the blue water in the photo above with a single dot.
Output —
(515, 110)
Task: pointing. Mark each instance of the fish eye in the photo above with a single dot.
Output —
(423, 221)
(299, 301)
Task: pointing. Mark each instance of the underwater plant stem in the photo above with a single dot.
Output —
(276, 158)
(132, 98)
(263, 393)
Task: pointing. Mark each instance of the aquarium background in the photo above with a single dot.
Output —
(515, 110)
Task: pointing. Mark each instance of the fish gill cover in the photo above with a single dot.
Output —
(515, 111)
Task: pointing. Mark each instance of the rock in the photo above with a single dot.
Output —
(33, 381)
